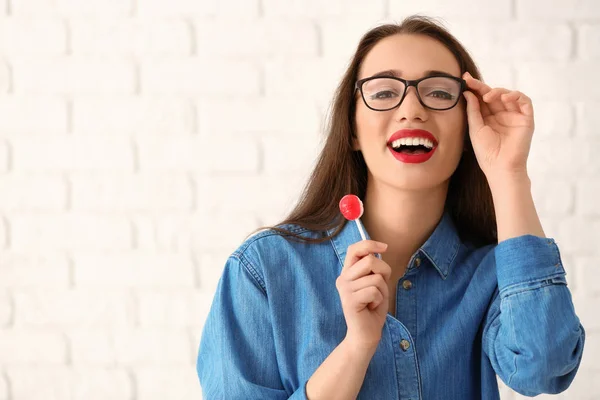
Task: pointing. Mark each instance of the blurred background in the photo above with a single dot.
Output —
(142, 140)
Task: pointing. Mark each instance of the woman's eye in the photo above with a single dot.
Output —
(442, 94)
(383, 95)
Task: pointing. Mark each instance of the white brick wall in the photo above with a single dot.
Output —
(133, 136)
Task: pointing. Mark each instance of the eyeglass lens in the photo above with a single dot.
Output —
(435, 92)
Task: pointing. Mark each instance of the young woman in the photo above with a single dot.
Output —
(467, 285)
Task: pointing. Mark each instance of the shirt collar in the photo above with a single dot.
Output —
(440, 248)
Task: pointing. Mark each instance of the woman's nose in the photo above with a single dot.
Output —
(411, 108)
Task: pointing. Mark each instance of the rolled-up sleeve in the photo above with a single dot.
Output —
(532, 336)
(236, 358)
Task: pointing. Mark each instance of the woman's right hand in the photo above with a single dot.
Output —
(363, 289)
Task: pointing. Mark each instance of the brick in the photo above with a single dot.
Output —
(288, 115)
(577, 235)
(27, 347)
(141, 116)
(316, 9)
(541, 80)
(210, 269)
(40, 382)
(5, 77)
(138, 347)
(516, 40)
(33, 192)
(93, 347)
(72, 7)
(589, 37)
(588, 192)
(217, 153)
(553, 196)
(156, 383)
(183, 232)
(311, 77)
(238, 9)
(6, 316)
(102, 384)
(588, 118)
(37, 35)
(4, 393)
(496, 10)
(73, 231)
(198, 76)
(563, 159)
(4, 156)
(4, 233)
(588, 275)
(74, 76)
(177, 8)
(127, 37)
(139, 269)
(280, 161)
(50, 115)
(554, 119)
(175, 309)
(497, 73)
(225, 193)
(249, 39)
(52, 154)
(158, 192)
(341, 36)
(64, 383)
(560, 10)
(48, 269)
(47, 308)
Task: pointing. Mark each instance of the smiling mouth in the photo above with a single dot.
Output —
(411, 149)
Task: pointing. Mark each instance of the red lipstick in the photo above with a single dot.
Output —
(412, 133)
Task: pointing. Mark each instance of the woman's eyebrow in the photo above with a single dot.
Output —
(396, 73)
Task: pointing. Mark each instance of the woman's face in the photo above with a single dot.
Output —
(411, 56)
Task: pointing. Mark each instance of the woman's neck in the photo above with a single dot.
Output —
(403, 219)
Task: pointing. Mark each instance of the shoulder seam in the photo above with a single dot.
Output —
(251, 270)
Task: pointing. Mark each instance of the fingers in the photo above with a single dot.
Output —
(366, 281)
(478, 89)
(371, 296)
(474, 116)
(518, 101)
(361, 249)
(365, 266)
(361, 292)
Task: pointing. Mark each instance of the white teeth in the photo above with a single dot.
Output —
(412, 142)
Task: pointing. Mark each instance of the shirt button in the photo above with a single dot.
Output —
(417, 261)
(407, 285)
(404, 344)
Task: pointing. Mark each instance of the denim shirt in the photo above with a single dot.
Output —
(468, 314)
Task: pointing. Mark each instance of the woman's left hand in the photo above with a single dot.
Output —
(500, 126)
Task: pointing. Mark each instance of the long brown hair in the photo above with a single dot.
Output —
(340, 170)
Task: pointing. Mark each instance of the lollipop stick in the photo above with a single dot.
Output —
(360, 229)
(362, 234)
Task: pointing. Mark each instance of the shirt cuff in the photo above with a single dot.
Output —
(525, 259)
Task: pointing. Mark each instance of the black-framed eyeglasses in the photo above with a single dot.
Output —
(382, 93)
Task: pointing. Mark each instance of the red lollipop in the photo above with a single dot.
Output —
(351, 207)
